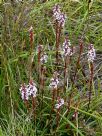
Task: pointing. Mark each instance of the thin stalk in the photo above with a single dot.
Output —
(78, 61)
(57, 117)
(25, 100)
(58, 35)
(39, 65)
(31, 35)
(66, 63)
(90, 83)
(77, 65)
(57, 46)
(43, 68)
(34, 107)
(53, 98)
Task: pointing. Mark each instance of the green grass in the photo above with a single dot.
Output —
(15, 58)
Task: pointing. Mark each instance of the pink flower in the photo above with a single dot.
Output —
(54, 81)
(60, 103)
(24, 92)
(91, 53)
(67, 51)
(32, 89)
(58, 15)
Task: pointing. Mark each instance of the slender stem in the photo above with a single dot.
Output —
(53, 98)
(57, 117)
(58, 35)
(90, 83)
(42, 81)
(34, 106)
(78, 61)
(31, 51)
(57, 42)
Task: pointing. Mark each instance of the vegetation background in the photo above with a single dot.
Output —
(84, 18)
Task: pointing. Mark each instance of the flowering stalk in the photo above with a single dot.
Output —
(32, 92)
(43, 70)
(91, 56)
(24, 95)
(67, 52)
(78, 61)
(31, 36)
(43, 60)
(40, 49)
(57, 106)
(60, 22)
(54, 87)
(34, 106)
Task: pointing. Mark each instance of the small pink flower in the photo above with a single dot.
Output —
(24, 92)
(44, 58)
(60, 102)
(67, 51)
(59, 16)
(54, 81)
(32, 89)
(91, 53)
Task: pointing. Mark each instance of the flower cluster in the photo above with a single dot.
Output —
(28, 90)
(24, 92)
(60, 103)
(91, 53)
(54, 82)
(58, 15)
(32, 89)
(67, 51)
(43, 58)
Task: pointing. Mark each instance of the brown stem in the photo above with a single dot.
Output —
(78, 61)
(57, 41)
(90, 83)
(58, 34)
(53, 99)
(34, 106)
(57, 117)
(31, 50)
(42, 81)
(26, 104)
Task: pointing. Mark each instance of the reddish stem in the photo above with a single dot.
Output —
(34, 106)
(78, 61)
(58, 34)
(90, 82)
(31, 39)
(53, 98)
(57, 117)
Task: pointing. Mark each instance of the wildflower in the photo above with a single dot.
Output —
(67, 51)
(60, 103)
(44, 58)
(32, 89)
(56, 12)
(24, 92)
(61, 19)
(54, 82)
(58, 15)
(91, 53)
(30, 29)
